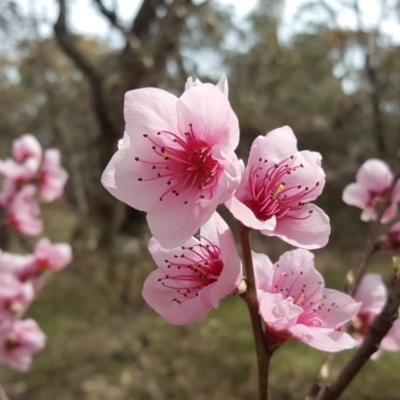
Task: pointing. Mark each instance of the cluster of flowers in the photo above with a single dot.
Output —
(21, 276)
(177, 162)
(373, 182)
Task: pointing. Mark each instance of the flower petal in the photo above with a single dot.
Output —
(308, 228)
(318, 338)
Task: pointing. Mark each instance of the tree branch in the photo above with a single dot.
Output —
(94, 76)
(375, 334)
(130, 36)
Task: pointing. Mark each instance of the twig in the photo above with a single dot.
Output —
(375, 334)
(250, 296)
(3, 394)
(323, 373)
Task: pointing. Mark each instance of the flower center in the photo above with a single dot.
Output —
(185, 165)
(12, 342)
(197, 267)
(376, 199)
(270, 195)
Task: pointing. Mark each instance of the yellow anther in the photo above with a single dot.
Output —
(278, 190)
(301, 299)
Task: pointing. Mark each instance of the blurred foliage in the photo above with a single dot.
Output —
(339, 89)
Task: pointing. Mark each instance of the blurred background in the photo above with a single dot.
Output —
(328, 68)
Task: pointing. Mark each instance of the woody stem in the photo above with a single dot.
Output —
(250, 296)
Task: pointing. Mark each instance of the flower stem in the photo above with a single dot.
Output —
(3, 394)
(250, 296)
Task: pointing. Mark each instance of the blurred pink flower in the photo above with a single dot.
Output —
(372, 183)
(276, 186)
(23, 267)
(390, 240)
(19, 340)
(8, 192)
(177, 160)
(16, 264)
(52, 176)
(53, 257)
(192, 279)
(15, 296)
(372, 294)
(25, 147)
(27, 154)
(23, 212)
(295, 305)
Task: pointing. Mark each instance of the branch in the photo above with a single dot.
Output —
(130, 36)
(250, 296)
(89, 70)
(149, 59)
(375, 334)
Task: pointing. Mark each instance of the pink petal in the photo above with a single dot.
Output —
(371, 293)
(222, 85)
(263, 270)
(52, 256)
(301, 277)
(355, 195)
(278, 313)
(277, 145)
(231, 274)
(374, 174)
(396, 192)
(302, 228)
(26, 146)
(391, 342)
(390, 213)
(243, 213)
(147, 111)
(211, 115)
(53, 176)
(174, 227)
(320, 339)
(161, 300)
(337, 308)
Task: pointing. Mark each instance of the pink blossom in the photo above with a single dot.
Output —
(27, 154)
(19, 340)
(17, 264)
(295, 305)
(52, 176)
(15, 296)
(53, 257)
(25, 147)
(372, 294)
(23, 212)
(390, 240)
(192, 279)
(8, 192)
(177, 160)
(372, 183)
(276, 187)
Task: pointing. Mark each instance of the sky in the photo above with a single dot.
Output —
(86, 19)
